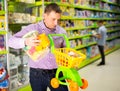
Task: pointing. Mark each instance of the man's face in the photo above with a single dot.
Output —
(51, 19)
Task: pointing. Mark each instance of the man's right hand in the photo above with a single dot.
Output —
(32, 41)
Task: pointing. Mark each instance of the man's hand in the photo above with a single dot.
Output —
(32, 41)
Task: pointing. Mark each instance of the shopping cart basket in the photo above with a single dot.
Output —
(67, 59)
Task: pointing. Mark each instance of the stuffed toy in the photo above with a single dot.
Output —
(4, 83)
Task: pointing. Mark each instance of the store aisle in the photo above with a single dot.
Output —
(103, 78)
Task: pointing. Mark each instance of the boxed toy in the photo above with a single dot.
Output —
(37, 52)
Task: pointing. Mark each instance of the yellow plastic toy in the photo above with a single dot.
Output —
(37, 52)
(67, 60)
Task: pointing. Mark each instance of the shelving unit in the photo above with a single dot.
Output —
(3, 39)
(3, 33)
(78, 19)
(19, 16)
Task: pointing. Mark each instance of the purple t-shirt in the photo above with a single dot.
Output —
(47, 62)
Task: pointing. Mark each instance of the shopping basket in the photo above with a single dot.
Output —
(66, 57)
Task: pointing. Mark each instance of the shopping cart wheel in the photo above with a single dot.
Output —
(85, 84)
(73, 86)
(54, 82)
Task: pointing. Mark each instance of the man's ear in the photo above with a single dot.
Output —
(44, 16)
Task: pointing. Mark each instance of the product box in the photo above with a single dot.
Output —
(37, 52)
(88, 52)
(94, 50)
(84, 51)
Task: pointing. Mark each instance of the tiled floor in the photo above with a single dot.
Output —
(103, 78)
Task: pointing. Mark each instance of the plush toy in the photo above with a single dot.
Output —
(3, 78)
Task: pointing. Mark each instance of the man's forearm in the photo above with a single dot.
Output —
(16, 43)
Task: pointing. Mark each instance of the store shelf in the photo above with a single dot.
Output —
(112, 25)
(17, 26)
(113, 38)
(106, 1)
(25, 88)
(2, 12)
(84, 7)
(80, 36)
(110, 31)
(81, 18)
(79, 28)
(83, 46)
(3, 32)
(3, 52)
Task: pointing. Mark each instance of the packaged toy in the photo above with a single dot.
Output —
(4, 83)
(37, 52)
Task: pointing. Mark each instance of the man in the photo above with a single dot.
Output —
(44, 69)
(101, 40)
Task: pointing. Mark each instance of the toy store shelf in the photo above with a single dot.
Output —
(112, 38)
(39, 18)
(25, 88)
(17, 26)
(111, 25)
(83, 46)
(3, 52)
(3, 32)
(88, 61)
(80, 18)
(110, 2)
(79, 28)
(2, 12)
(110, 31)
(20, 2)
(79, 36)
(86, 18)
(40, 3)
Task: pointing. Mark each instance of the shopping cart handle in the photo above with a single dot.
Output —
(52, 42)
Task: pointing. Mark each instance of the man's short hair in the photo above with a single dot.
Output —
(52, 7)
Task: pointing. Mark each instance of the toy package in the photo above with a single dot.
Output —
(4, 83)
(37, 52)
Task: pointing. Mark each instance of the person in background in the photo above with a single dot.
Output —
(43, 70)
(101, 36)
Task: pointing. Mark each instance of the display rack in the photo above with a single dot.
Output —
(3, 39)
(18, 17)
(3, 33)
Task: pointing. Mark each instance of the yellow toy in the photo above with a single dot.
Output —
(37, 52)
(67, 60)
(4, 83)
